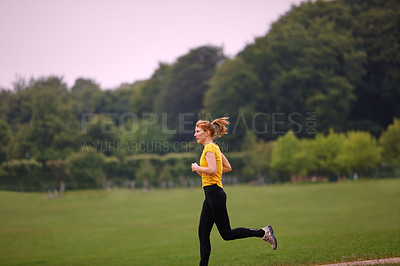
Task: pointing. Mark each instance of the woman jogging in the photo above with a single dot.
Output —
(212, 164)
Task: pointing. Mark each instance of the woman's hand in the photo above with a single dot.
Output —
(211, 169)
(195, 167)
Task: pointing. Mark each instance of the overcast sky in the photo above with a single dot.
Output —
(116, 41)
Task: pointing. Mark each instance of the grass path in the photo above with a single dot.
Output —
(314, 223)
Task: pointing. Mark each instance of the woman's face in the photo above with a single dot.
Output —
(200, 134)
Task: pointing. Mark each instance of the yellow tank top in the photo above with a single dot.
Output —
(207, 179)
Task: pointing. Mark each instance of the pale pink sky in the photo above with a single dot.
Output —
(116, 41)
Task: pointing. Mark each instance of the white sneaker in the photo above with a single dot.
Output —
(269, 237)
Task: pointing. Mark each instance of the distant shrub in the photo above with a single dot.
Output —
(21, 174)
(390, 143)
(85, 169)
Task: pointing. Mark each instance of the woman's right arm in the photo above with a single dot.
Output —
(226, 166)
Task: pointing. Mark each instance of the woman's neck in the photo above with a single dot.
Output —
(207, 141)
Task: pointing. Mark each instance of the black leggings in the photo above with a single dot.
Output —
(214, 211)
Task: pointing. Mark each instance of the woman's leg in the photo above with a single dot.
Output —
(217, 201)
(205, 226)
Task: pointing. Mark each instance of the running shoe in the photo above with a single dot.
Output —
(269, 237)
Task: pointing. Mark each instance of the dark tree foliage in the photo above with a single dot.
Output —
(187, 85)
(337, 58)
(376, 24)
(146, 97)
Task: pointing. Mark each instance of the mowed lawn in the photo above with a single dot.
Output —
(314, 224)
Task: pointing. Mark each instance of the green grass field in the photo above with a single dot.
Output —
(314, 224)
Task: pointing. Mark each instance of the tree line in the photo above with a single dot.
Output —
(323, 67)
(327, 157)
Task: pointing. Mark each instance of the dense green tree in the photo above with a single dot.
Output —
(116, 101)
(110, 166)
(141, 101)
(5, 96)
(338, 59)
(166, 175)
(309, 61)
(146, 174)
(146, 168)
(188, 82)
(376, 24)
(26, 174)
(233, 86)
(326, 150)
(58, 170)
(147, 96)
(235, 91)
(258, 154)
(16, 105)
(5, 137)
(304, 158)
(359, 153)
(19, 146)
(43, 121)
(144, 136)
(84, 168)
(181, 164)
(283, 153)
(390, 143)
(100, 133)
(51, 129)
(355, 152)
(82, 93)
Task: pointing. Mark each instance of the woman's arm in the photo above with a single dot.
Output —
(226, 166)
(211, 162)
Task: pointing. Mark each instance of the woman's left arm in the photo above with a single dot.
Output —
(211, 162)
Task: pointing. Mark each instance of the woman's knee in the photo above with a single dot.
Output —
(226, 235)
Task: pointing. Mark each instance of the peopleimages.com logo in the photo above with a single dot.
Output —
(260, 123)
